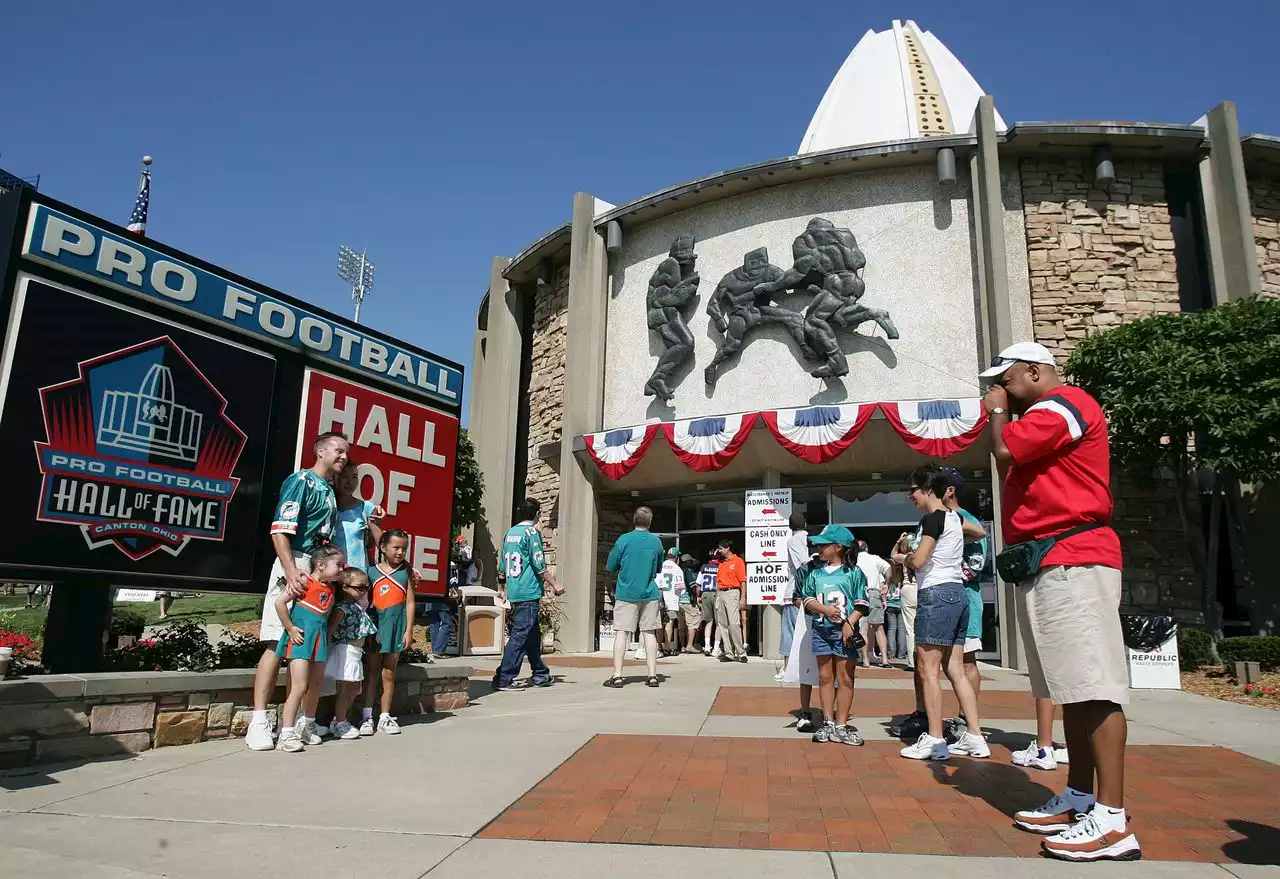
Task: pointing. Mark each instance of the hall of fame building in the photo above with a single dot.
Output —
(818, 322)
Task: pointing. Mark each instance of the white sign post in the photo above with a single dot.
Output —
(767, 512)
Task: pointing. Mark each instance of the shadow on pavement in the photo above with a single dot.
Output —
(1261, 844)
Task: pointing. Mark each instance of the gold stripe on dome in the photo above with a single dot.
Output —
(932, 116)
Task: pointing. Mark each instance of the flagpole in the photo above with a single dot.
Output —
(142, 204)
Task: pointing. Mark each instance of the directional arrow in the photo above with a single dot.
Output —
(768, 554)
(769, 511)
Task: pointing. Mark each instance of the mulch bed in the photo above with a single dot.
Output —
(1217, 684)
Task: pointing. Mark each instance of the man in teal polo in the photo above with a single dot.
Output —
(636, 558)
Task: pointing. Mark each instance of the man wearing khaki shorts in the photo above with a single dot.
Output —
(305, 516)
(1056, 465)
(636, 558)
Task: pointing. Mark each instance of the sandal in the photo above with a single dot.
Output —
(652, 682)
(614, 682)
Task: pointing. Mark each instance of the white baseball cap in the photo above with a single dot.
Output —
(1022, 352)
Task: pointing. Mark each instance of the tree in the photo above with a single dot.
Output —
(468, 488)
(1194, 394)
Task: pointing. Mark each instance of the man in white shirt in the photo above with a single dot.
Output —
(876, 570)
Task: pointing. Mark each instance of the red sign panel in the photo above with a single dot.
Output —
(406, 454)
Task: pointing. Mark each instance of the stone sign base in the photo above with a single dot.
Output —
(55, 718)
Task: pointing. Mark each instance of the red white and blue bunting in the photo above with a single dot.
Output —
(937, 428)
(819, 434)
(816, 434)
(617, 452)
(706, 444)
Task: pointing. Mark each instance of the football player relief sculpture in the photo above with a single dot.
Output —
(826, 266)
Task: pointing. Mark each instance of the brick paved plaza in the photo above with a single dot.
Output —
(705, 773)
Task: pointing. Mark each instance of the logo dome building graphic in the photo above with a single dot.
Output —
(149, 420)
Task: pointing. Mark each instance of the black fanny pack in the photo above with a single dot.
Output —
(1022, 561)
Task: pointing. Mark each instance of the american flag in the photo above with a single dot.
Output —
(138, 219)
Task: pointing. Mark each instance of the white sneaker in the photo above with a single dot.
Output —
(291, 742)
(927, 748)
(1054, 816)
(366, 727)
(1088, 840)
(716, 651)
(640, 654)
(779, 676)
(970, 745)
(258, 736)
(1060, 755)
(387, 724)
(307, 732)
(343, 730)
(1036, 757)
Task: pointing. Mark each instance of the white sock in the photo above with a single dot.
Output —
(366, 714)
(288, 730)
(303, 719)
(259, 716)
(1108, 817)
(1079, 799)
(384, 716)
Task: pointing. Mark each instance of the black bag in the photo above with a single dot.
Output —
(1022, 561)
(1147, 632)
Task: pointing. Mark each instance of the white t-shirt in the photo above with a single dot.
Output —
(671, 584)
(874, 568)
(797, 555)
(946, 564)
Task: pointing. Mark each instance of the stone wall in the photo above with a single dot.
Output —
(546, 399)
(1096, 258)
(1264, 200)
(74, 717)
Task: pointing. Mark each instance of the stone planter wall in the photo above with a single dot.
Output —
(55, 718)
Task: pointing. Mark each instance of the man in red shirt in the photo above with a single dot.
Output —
(1055, 463)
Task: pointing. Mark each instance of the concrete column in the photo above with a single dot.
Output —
(997, 322)
(582, 413)
(1233, 258)
(494, 391)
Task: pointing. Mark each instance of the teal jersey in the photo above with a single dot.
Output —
(523, 562)
(307, 511)
(845, 588)
(975, 555)
(637, 559)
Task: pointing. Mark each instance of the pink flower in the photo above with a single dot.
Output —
(1248, 688)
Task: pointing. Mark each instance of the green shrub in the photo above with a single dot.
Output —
(126, 623)
(180, 646)
(1193, 648)
(1262, 649)
(238, 651)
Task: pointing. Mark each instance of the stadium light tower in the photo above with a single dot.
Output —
(356, 270)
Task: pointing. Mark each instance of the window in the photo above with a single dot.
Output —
(708, 511)
(664, 515)
(872, 505)
(813, 503)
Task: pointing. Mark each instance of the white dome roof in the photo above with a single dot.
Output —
(898, 84)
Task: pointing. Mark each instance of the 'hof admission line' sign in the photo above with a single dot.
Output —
(767, 512)
(406, 453)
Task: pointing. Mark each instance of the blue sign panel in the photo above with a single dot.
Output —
(128, 264)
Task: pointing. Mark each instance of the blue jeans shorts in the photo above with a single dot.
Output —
(829, 641)
(942, 615)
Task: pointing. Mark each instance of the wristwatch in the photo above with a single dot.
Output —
(996, 410)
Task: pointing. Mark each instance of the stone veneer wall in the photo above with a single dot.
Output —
(1264, 200)
(53, 718)
(546, 400)
(1098, 259)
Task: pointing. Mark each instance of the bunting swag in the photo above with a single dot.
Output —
(617, 452)
(937, 428)
(819, 434)
(706, 444)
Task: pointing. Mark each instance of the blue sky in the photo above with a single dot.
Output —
(439, 134)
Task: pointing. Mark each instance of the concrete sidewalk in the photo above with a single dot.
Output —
(410, 806)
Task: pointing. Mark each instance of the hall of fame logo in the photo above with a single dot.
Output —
(140, 451)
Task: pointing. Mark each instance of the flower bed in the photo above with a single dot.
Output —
(1220, 684)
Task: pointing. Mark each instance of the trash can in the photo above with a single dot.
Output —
(1151, 643)
(483, 622)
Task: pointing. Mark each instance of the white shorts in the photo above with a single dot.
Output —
(345, 663)
(972, 645)
(630, 616)
(1062, 611)
(271, 628)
